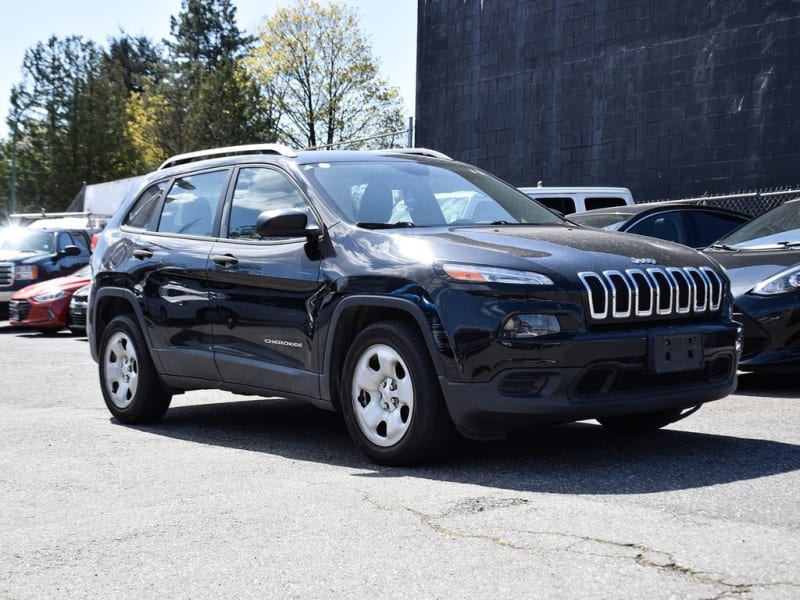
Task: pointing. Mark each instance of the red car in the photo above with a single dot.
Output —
(45, 305)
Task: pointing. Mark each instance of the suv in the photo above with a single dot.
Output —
(354, 280)
(29, 255)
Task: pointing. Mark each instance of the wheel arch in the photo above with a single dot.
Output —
(354, 314)
(108, 303)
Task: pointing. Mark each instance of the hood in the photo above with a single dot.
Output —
(746, 268)
(16, 256)
(567, 249)
(69, 283)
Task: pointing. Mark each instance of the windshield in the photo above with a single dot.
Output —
(20, 239)
(611, 221)
(775, 228)
(410, 193)
(85, 271)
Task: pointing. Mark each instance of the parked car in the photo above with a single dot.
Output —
(693, 225)
(572, 199)
(353, 280)
(45, 305)
(77, 309)
(31, 255)
(762, 259)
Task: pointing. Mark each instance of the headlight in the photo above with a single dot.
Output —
(783, 283)
(483, 274)
(26, 272)
(49, 296)
(527, 326)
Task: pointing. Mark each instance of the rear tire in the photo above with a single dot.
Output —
(391, 400)
(131, 387)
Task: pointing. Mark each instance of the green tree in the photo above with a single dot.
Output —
(70, 121)
(43, 108)
(140, 61)
(316, 65)
(210, 99)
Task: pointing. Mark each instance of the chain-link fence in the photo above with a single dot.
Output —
(751, 203)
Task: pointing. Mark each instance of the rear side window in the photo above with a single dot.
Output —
(592, 203)
(191, 204)
(668, 226)
(143, 212)
(563, 205)
(709, 227)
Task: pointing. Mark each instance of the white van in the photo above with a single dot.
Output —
(567, 200)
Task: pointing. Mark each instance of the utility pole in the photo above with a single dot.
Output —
(12, 196)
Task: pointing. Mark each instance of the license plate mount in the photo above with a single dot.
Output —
(675, 353)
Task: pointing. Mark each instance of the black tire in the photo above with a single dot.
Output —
(642, 422)
(391, 400)
(131, 387)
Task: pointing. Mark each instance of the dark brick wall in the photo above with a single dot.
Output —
(670, 98)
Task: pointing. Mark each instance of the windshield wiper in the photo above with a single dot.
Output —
(368, 225)
(788, 244)
(719, 246)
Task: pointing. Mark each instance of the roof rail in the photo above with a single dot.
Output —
(180, 159)
(415, 151)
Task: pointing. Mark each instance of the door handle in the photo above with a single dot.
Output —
(143, 253)
(225, 260)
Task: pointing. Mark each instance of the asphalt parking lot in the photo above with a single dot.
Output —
(234, 497)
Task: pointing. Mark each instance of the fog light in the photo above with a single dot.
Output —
(525, 326)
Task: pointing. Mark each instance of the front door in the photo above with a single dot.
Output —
(263, 290)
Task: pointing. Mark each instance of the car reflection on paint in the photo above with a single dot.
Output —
(762, 259)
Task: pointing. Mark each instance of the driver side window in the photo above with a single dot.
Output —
(259, 189)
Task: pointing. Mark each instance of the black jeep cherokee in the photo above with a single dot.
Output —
(414, 293)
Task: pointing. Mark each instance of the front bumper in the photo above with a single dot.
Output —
(771, 327)
(616, 377)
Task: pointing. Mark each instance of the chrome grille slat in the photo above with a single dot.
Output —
(652, 292)
(6, 274)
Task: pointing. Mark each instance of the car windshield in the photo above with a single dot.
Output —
(19, 239)
(779, 227)
(403, 193)
(611, 221)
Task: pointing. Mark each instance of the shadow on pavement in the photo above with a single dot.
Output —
(784, 385)
(580, 458)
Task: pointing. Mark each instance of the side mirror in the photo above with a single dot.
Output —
(70, 250)
(285, 223)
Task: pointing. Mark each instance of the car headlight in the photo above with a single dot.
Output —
(49, 296)
(782, 283)
(26, 272)
(483, 274)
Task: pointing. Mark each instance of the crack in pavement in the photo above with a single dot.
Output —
(642, 555)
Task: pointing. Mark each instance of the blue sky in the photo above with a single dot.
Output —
(391, 26)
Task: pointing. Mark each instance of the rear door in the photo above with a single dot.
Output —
(263, 290)
(170, 277)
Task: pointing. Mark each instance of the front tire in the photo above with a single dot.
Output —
(391, 400)
(128, 379)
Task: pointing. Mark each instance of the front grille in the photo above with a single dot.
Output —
(655, 292)
(77, 312)
(600, 381)
(18, 310)
(6, 274)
